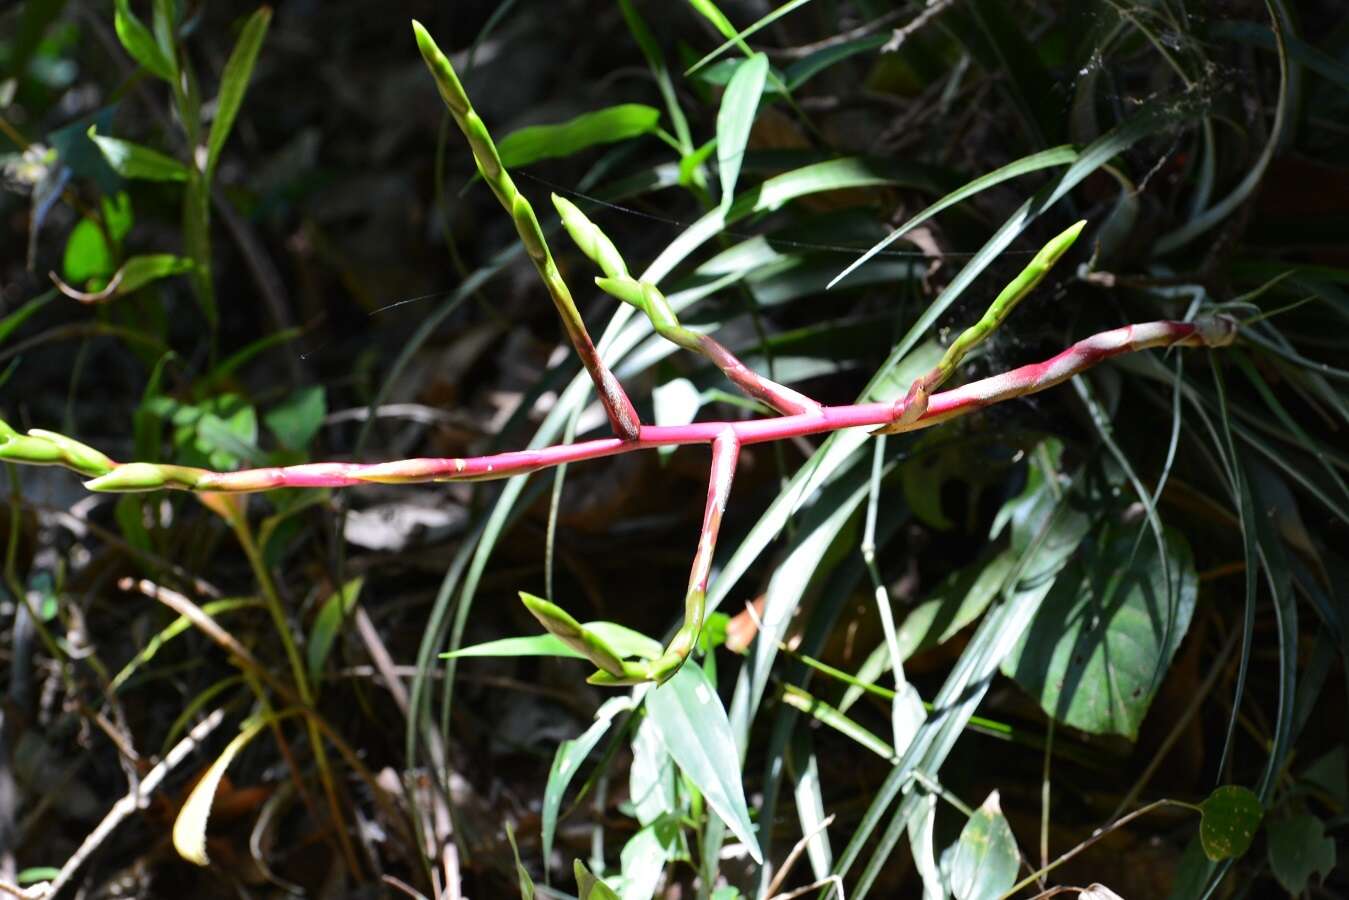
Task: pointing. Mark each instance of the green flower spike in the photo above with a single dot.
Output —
(575, 635)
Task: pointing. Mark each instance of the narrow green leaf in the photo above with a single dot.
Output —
(1230, 817)
(735, 118)
(10, 323)
(825, 714)
(134, 161)
(567, 762)
(140, 43)
(626, 641)
(234, 83)
(1045, 159)
(985, 860)
(693, 726)
(334, 613)
(603, 126)
(521, 873)
(738, 38)
(138, 271)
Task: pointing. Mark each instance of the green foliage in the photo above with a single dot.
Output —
(1097, 649)
(1230, 817)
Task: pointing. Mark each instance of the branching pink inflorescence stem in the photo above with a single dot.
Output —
(941, 407)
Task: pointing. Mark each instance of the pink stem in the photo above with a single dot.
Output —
(780, 397)
(941, 407)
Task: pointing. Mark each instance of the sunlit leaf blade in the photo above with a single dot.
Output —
(603, 126)
(335, 612)
(138, 271)
(693, 726)
(525, 883)
(134, 161)
(985, 860)
(1045, 159)
(1096, 652)
(621, 638)
(234, 83)
(1230, 818)
(189, 829)
(139, 42)
(588, 887)
(735, 118)
(567, 762)
(738, 38)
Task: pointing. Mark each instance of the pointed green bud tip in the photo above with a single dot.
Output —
(130, 477)
(1061, 244)
(551, 616)
(630, 677)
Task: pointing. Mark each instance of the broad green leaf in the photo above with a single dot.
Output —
(189, 829)
(234, 83)
(135, 161)
(140, 43)
(651, 777)
(298, 418)
(626, 641)
(87, 254)
(644, 857)
(334, 613)
(1230, 816)
(603, 126)
(138, 271)
(985, 860)
(693, 726)
(588, 887)
(567, 762)
(521, 873)
(1100, 644)
(735, 118)
(1298, 849)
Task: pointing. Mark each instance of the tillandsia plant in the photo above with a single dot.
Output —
(798, 415)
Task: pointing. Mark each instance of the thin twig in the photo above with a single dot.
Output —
(130, 803)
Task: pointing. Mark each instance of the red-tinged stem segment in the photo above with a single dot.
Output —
(1210, 332)
(777, 396)
(725, 455)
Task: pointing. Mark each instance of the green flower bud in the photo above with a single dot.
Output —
(80, 457)
(572, 633)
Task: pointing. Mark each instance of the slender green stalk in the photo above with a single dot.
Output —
(622, 416)
(646, 297)
(914, 403)
(300, 675)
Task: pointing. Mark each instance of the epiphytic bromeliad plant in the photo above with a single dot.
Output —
(1048, 576)
(798, 415)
